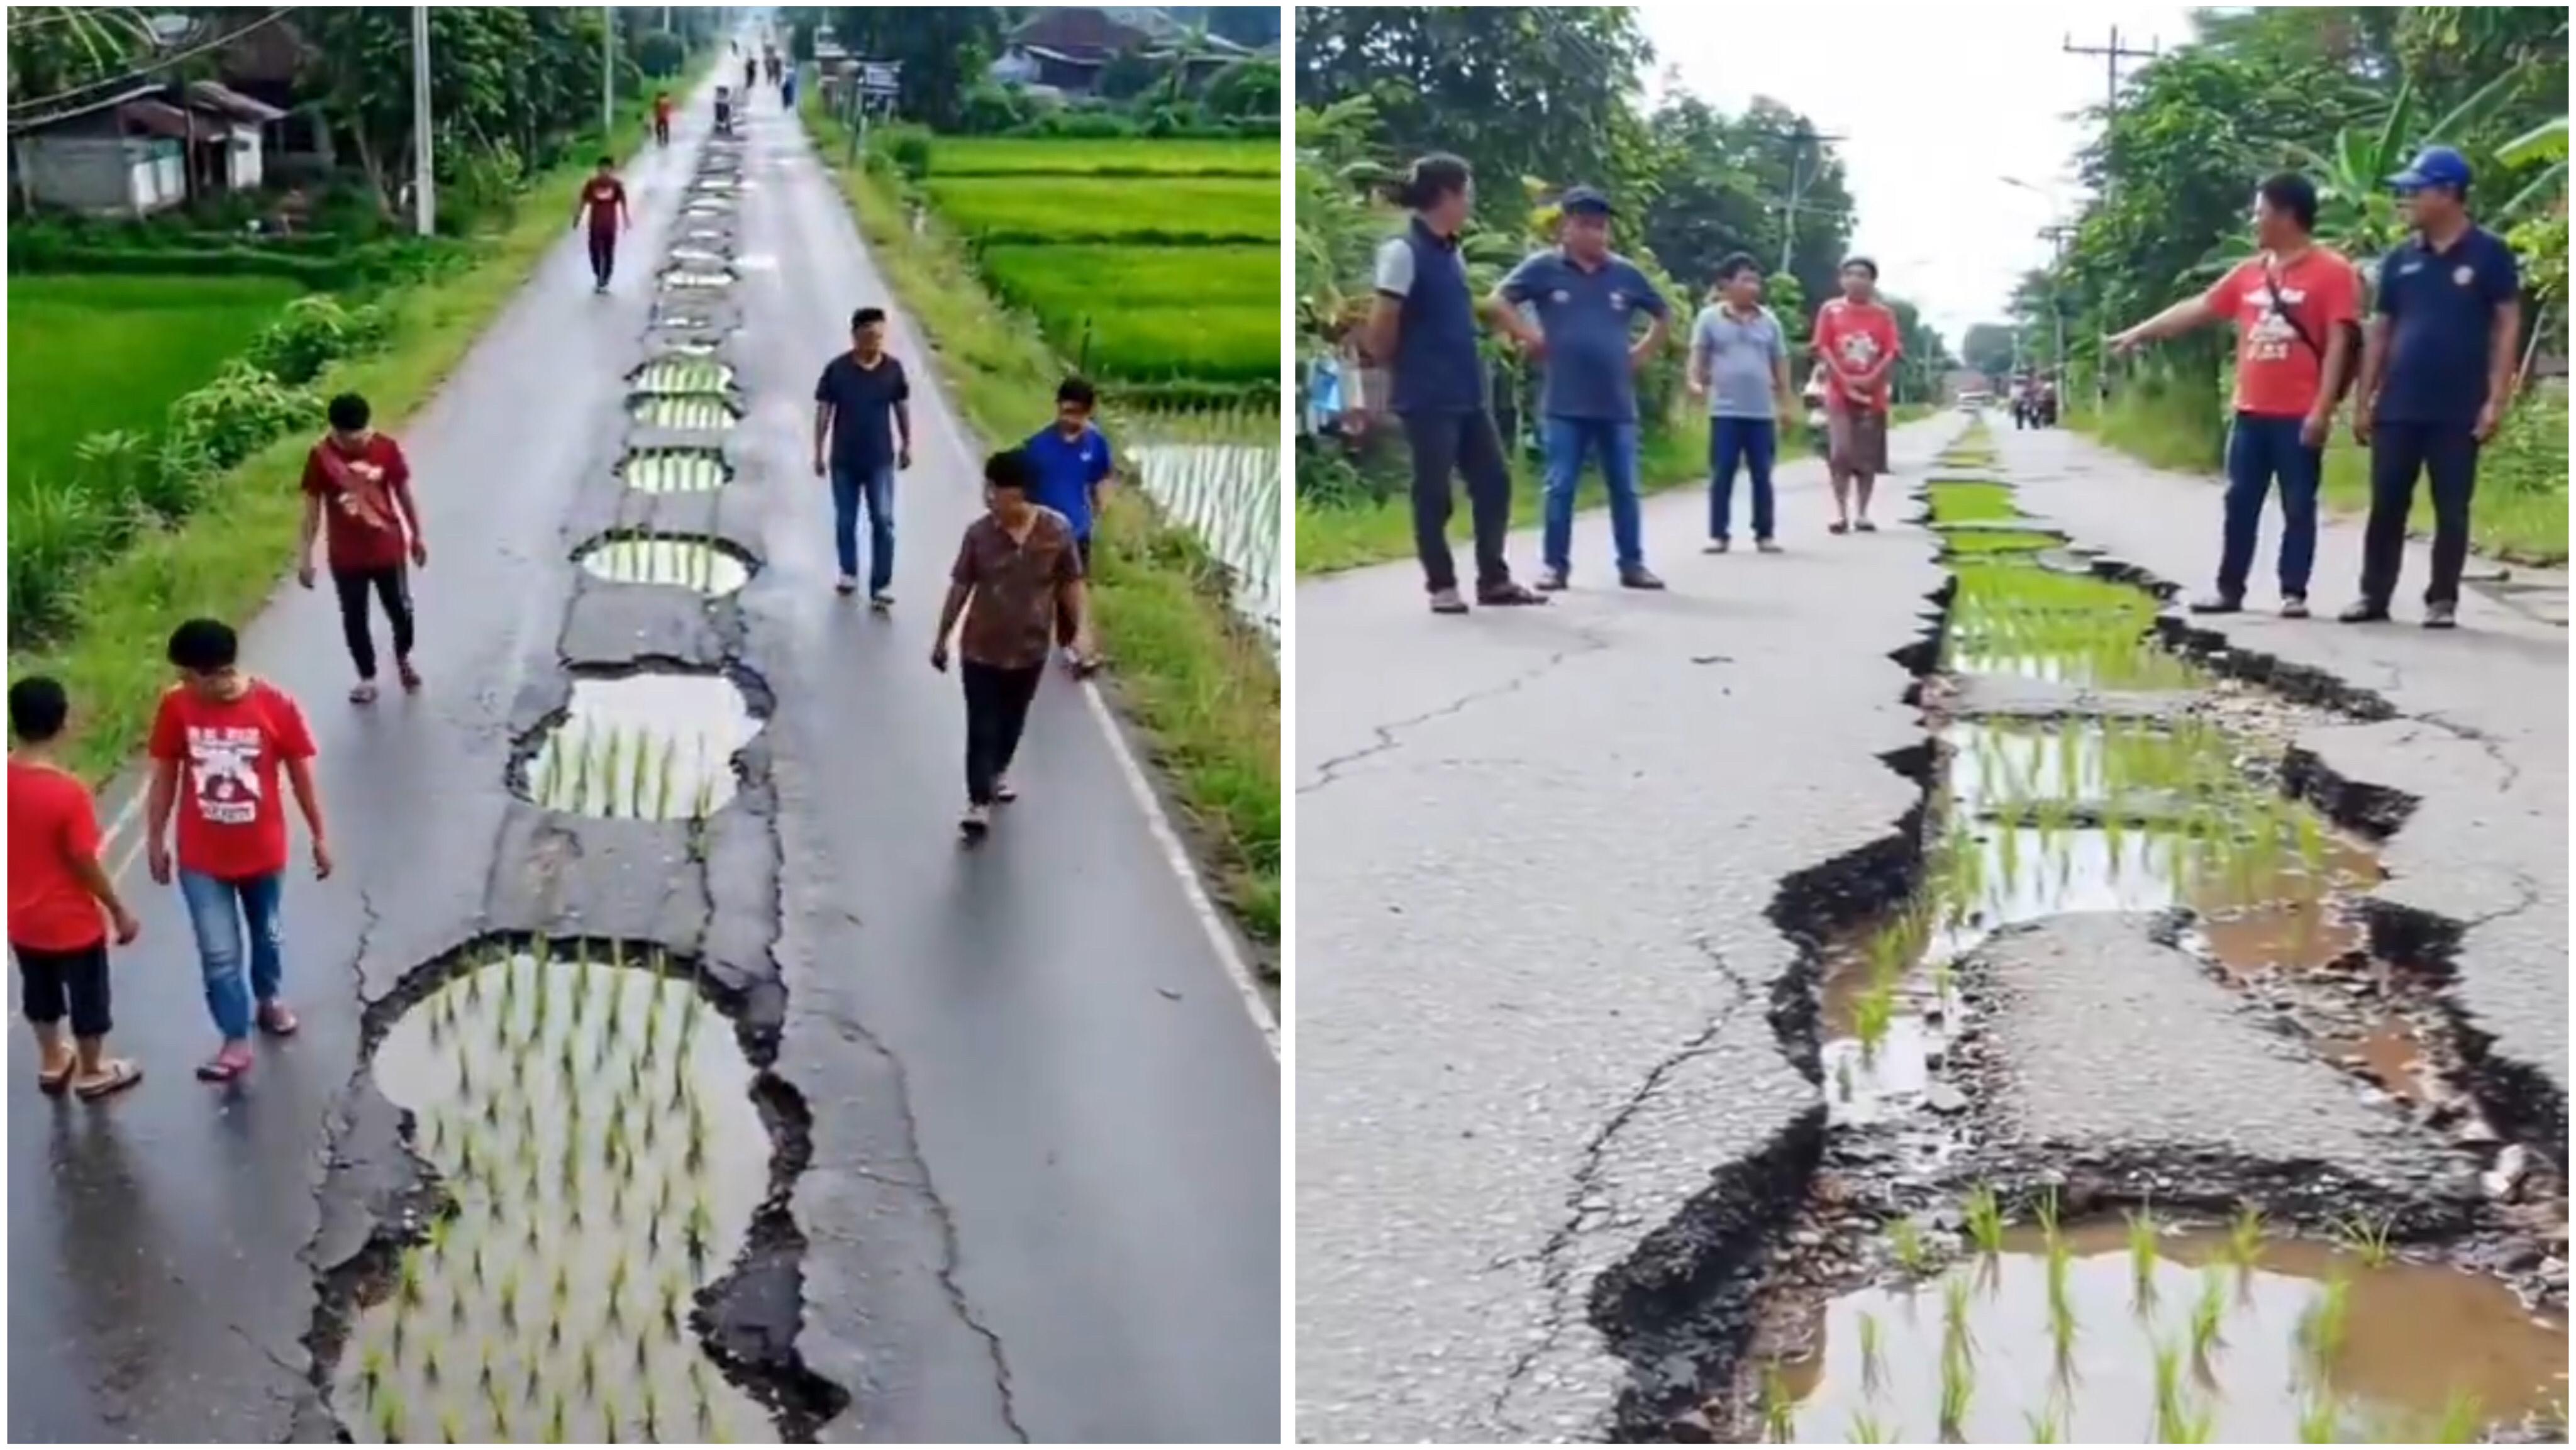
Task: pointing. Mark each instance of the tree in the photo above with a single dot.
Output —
(1989, 348)
(944, 51)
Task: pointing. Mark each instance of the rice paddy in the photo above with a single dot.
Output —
(649, 747)
(1218, 475)
(589, 1115)
(1170, 208)
(1134, 156)
(676, 561)
(675, 470)
(684, 412)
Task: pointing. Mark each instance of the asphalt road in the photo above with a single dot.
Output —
(1043, 1194)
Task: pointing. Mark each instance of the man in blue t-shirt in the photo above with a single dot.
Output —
(2437, 373)
(1587, 299)
(1073, 464)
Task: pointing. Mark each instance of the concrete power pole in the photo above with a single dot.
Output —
(2112, 54)
(424, 203)
(1800, 140)
(2056, 237)
(608, 73)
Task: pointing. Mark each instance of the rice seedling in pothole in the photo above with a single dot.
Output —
(675, 470)
(678, 561)
(653, 747)
(589, 1114)
(684, 412)
(2259, 1356)
(706, 206)
(1969, 501)
(1217, 475)
(682, 375)
(699, 257)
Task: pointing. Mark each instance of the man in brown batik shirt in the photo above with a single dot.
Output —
(1018, 566)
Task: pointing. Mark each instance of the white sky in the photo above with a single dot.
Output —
(1936, 104)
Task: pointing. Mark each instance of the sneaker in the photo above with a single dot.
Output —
(1003, 791)
(2363, 611)
(1552, 580)
(881, 601)
(2441, 616)
(1716, 546)
(363, 693)
(2218, 604)
(848, 586)
(1766, 546)
(2294, 606)
(1865, 526)
(410, 677)
(976, 821)
(1640, 577)
(1446, 601)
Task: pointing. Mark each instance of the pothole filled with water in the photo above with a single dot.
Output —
(683, 374)
(706, 206)
(675, 470)
(686, 346)
(697, 280)
(677, 561)
(701, 258)
(589, 1114)
(684, 412)
(2111, 1333)
(689, 315)
(652, 747)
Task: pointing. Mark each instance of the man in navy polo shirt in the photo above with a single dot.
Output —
(1423, 328)
(1588, 299)
(2437, 370)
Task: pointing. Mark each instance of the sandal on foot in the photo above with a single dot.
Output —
(118, 1075)
(1865, 526)
(55, 1082)
(410, 677)
(1004, 791)
(1838, 527)
(229, 1063)
(1508, 594)
(276, 1020)
(363, 693)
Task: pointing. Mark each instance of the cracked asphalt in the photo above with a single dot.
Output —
(1536, 849)
(1042, 1199)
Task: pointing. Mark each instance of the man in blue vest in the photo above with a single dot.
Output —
(2437, 373)
(1424, 329)
(1587, 299)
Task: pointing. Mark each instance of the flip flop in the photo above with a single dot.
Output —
(1838, 527)
(55, 1082)
(1508, 595)
(276, 1020)
(122, 1073)
(1866, 527)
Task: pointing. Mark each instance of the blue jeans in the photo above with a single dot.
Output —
(875, 489)
(218, 922)
(1568, 440)
(1753, 442)
(2259, 450)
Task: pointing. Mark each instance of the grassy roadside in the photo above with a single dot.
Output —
(1205, 691)
(230, 553)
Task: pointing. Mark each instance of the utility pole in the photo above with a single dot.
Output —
(1800, 141)
(424, 202)
(2112, 54)
(608, 73)
(2056, 236)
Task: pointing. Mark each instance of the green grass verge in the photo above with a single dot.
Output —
(91, 353)
(1204, 689)
(1035, 156)
(224, 561)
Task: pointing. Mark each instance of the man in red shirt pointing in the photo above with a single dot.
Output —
(358, 480)
(603, 203)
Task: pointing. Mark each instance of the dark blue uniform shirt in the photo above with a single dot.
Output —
(2441, 311)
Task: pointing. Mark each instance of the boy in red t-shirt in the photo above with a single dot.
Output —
(359, 480)
(603, 202)
(662, 118)
(221, 741)
(56, 889)
(2296, 306)
(1856, 342)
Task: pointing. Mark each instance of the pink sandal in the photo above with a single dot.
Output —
(228, 1063)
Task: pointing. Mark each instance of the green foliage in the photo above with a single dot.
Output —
(1187, 210)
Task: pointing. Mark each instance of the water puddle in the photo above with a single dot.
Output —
(684, 318)
(684, 413)
(1226, 493)
(652, 747)
(2011, 619)
(591, 1117)
(682, 375)
(700, 258)
(686, 280)
(675, 470)
(706, 206)
(684, 563)
(686, 346)
(2024, 1346)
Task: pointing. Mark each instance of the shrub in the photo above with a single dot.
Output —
(909, 148)
(53, 528)
(988, 107)
(236, 415)
(661, 54)
(314, 332)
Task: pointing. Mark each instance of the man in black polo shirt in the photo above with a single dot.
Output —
(1424, 329)
(2437, 368)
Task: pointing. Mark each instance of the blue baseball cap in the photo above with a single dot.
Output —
(2434, 166)
(1584, 201)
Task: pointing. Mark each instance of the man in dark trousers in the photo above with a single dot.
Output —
(862, 409)
(603, 202)
(2437, 373)
(1587, 299)
(1424, 328)
(357, 495)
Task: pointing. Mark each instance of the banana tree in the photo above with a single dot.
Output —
(2541, 235)
(2357, 213)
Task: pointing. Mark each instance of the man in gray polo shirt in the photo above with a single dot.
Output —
(1587, 299)
(1739, 361)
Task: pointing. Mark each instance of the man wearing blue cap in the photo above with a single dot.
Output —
(2437, 370)
(1587, 299)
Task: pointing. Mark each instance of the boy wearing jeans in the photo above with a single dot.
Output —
(235, 736)
(1739, 361)
(56, 890)
(1073, 463)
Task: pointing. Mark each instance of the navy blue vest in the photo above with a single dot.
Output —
(1437, 367)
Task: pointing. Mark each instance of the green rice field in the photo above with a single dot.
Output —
(1181, 210)
(1037, 156)
(90, 354)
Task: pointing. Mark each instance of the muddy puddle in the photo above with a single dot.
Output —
(682, 374)
(675, 470)
(591, 1119)
(676, 562)
(2304, 1342)
(655, 747)
(683, 412)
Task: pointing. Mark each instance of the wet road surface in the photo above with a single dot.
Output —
(1043, 1196)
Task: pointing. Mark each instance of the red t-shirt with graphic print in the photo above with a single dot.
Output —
(232, 812)
(1856, 336)
(2277, 374)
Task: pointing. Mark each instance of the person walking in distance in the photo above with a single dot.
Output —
(1423, 329)
(61, 903)
(863, 411)
(1017, 572)
(1739, 361)
(1074, 464)
(357, 489)
(219, 744)
(1587, 299)
(662, 118)
(2437, 373)
(603, 202)
(1856, 340)
(2295, 305)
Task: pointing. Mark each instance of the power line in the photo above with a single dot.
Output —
(2112, 54)
(19, 120)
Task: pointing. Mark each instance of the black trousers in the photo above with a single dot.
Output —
(2447, 453)
(53, 983)
(997, 710)
(603, 254)
(1465, 444)
(392, 586)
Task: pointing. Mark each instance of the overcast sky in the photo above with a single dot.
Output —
(1937, 104)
